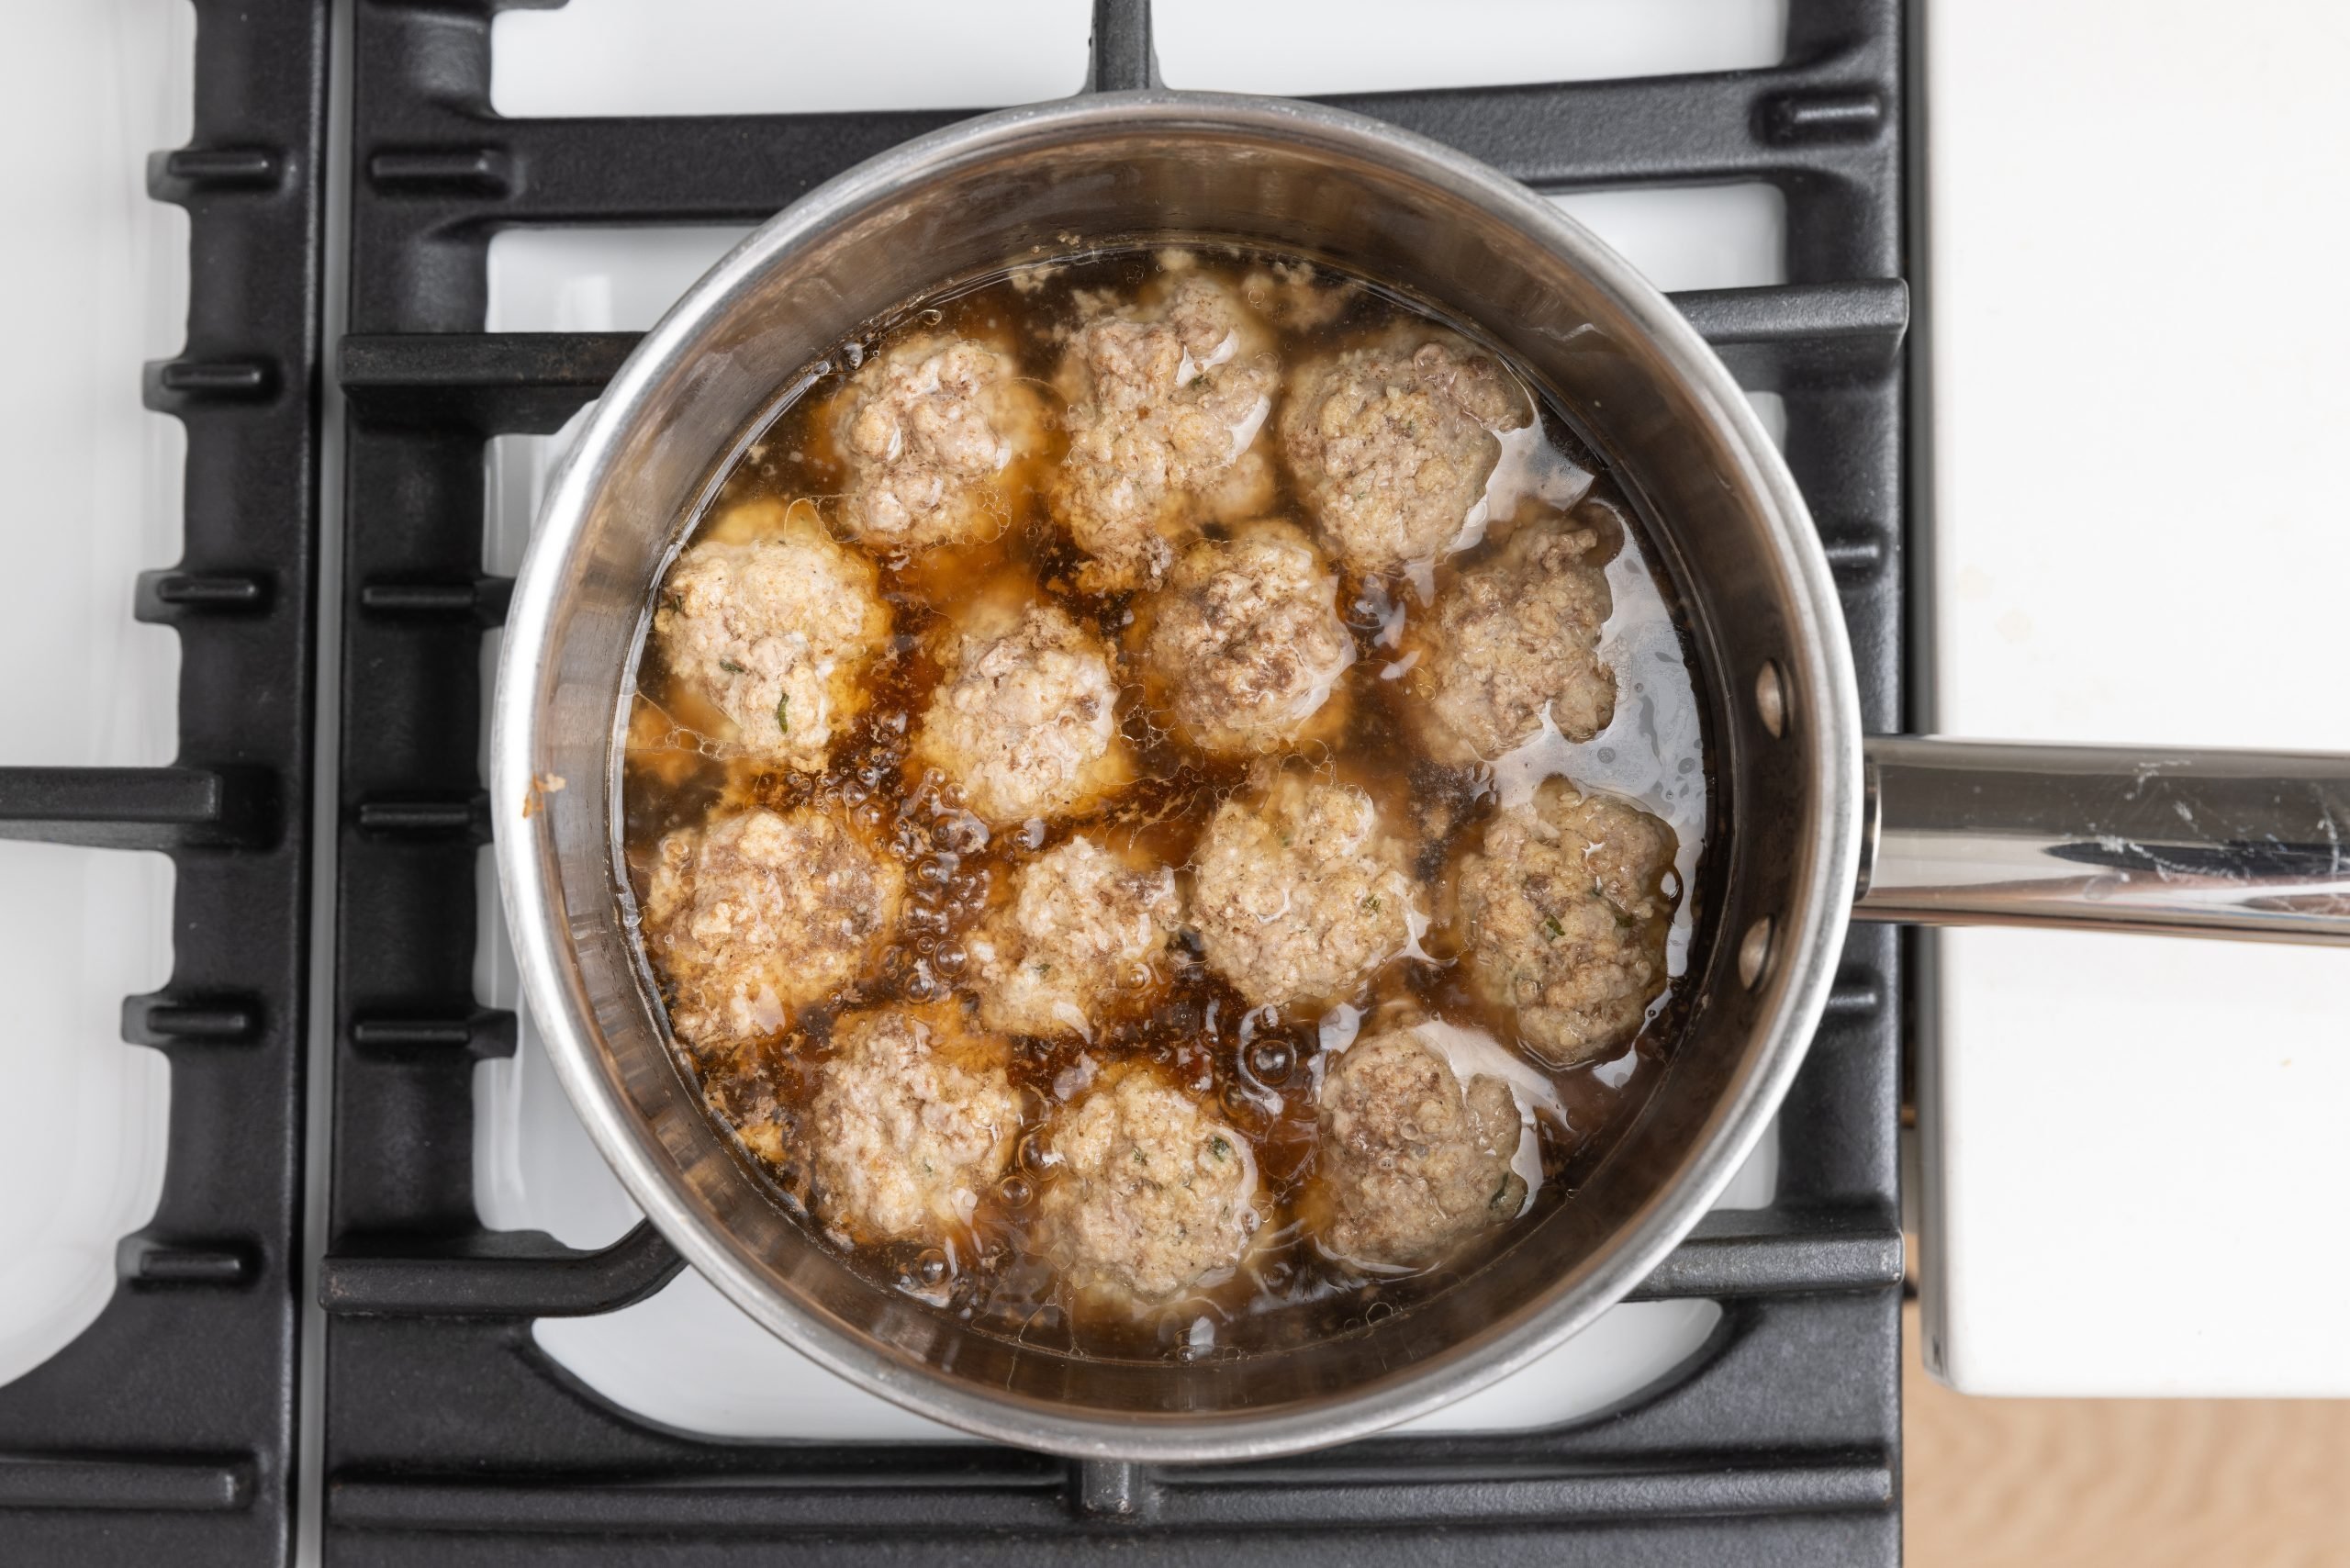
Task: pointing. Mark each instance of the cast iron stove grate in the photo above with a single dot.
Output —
(450, 1439)
(163, 1432)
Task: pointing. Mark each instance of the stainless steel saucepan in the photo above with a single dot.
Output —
(1816, 823)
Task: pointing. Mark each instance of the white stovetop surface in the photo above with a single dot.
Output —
(97, 275)
(2118, 193)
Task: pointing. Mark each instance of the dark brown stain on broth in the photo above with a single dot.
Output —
(1259, 1070)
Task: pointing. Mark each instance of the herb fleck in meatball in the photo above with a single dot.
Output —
(1154, 1196)
(1083, 926)
(1025, 722)
(755, 914)
(1164, 405)
(1392, 445)
(1517, 635)
(928, 431)
(1299, 891)
(912, 1118)
(776, 631)
(1565, 919)
(1244, 645)
(1412, 1161)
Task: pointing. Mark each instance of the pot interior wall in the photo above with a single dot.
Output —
(1012, 199)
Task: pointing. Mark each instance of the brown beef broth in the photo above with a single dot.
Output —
(1263, 1071)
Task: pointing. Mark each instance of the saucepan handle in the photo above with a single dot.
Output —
(2249, 845)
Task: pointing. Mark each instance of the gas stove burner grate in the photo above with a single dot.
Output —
(450, 1437)
(163, 1432)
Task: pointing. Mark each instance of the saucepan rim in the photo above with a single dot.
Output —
(1804, 953)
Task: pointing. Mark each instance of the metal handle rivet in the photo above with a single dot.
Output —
(1771, 698)
(1754, 952)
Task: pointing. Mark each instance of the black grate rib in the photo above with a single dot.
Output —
(451, 1440)
(163, 1433)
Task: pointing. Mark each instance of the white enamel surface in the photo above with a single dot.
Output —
(686, 1357)
(1691, 236)
(1303, 47)
(733, 57)
(2137, 334)
(686, 57)
(100, 276)
(83, 1116)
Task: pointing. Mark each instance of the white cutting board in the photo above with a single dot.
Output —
(2140, 371)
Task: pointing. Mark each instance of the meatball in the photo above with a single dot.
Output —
(1392, 445)
(1299, 893)
(1025, 721)
(1244, 646)
(752, 915)
(1295, 295)
(1082, 926)
(1154, 1195)
(912, 1118)
(1412, 1161)
(1165, 406)
(1565, 918)
(1516, 637)
(774, 631)
(928, 432)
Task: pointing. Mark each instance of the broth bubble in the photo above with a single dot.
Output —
(1271, 1061)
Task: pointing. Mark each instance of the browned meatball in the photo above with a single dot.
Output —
(1299, 891)
(1025, 723)
(775, 629)
(914, 1118)
(1153, 1195)
(1412, 1161)
(1393, 442)
(1516, 637)
(1165, 407)
(1085, 927)
(1565, 919)
(929, 430)
(753, 915)
(1244, 646)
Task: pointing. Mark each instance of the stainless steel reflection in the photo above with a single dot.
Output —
(2192, 843)
(1734, 534)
